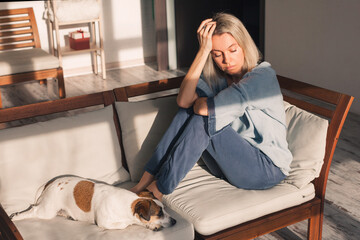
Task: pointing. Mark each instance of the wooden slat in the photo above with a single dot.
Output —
(327, 113)
(16, 32)
(8, 12)
(55, 106)
(309, 90)
(152, 87)
(14, 46)
(14, 19)
(13, 26)
(16, 39)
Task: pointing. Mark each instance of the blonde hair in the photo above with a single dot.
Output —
(227, 23)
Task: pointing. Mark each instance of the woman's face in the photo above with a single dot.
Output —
(227, 53)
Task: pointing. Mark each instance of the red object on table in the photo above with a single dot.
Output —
(79, 40)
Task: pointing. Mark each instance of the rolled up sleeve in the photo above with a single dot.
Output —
(224, 108)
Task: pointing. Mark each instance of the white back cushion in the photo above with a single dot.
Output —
(143, 124)
(84, 144)
(306, 135)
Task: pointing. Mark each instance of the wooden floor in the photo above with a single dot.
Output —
(342, 208)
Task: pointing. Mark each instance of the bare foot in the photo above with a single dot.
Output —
(135, 189)
(154, 189)
(145, 180)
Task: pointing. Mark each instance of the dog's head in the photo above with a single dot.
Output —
(151, 214)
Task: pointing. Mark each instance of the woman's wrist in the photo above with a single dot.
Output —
(204, 51)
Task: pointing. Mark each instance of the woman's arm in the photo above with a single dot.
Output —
(259, 89)
(187, 94)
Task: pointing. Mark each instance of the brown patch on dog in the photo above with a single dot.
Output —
(83, 194)
(146, 194)
(145, 208)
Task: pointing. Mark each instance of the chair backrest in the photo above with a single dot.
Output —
(325, 103)
(18, 29)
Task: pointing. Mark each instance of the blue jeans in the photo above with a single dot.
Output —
(226, 154)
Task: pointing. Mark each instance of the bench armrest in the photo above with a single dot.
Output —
(8, 230)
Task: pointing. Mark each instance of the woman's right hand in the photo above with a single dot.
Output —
(187, 93)
(204, 34)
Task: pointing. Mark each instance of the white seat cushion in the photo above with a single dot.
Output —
(212, 204)
(29, 60)
(60, 228)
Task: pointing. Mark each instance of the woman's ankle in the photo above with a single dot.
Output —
(155, 191)
(144, 182)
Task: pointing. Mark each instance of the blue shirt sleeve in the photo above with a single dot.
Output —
(256, 90)
(203, 89)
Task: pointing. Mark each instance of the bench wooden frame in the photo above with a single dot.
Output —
(19, 31)
(329, 104)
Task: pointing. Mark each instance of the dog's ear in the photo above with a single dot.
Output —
(142, 208)
(146, 194)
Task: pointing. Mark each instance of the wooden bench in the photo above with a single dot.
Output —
(328, 104)
(325, 103)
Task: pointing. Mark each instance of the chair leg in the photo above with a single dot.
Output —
(0, 100)
(43, 81)
(61, 83)
(315, 224)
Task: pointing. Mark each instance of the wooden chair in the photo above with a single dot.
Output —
(21, 56)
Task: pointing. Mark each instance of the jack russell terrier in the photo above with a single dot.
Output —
(87, 200)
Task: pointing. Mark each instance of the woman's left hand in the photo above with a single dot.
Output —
(201, 107)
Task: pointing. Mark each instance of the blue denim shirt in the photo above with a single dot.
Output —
(254, 108)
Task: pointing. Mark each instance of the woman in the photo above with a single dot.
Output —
(231, 112)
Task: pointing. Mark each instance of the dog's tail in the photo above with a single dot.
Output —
(42, 188)
(39, 191)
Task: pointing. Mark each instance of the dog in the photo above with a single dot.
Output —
(96, 202)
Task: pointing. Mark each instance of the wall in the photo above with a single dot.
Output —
(316, 42)
(128, 28)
